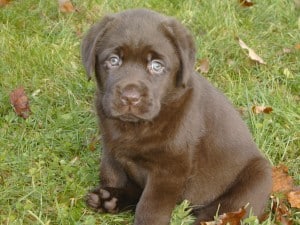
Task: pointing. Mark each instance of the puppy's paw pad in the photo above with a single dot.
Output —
(101, 200)
(104, 194)
(111, 205)
(93, 200)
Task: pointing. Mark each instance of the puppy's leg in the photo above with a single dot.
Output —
(252, 186)
(158, 200)
(116, 191)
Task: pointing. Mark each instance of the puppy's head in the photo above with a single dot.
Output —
(141, 59)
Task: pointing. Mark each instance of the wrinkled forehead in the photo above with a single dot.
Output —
(138, 31)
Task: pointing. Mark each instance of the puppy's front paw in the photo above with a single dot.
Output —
(102, 200)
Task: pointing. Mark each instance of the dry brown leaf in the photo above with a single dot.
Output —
(297, 46)
(281, 212)
(282, 182)
(246, 3)
(294, 198)
(252, 55)
(4, 2)
(232, 218)
(261, 109)
(20, 102)
(66, 6)
(203, 65)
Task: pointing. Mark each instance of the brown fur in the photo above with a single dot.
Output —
(168, 135)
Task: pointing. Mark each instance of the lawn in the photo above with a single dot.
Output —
(49, 160)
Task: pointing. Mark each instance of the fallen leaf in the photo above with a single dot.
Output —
(203, 66)
(297, 46)
(261, 109)
(232, 218)
(4, 2)
(20, 102)
(246, 3)
(294, 198)
(66, 6)
(282, 182)
(281, 212)
(252, 55)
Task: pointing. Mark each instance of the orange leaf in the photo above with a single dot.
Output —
(66, 6)
(297, 46)
(232, 218)
(261, 109)
(4, 2)
(282, 182)
(294, 198)
(246, 3)
(252, 55)
(20, 102)
(203, 66)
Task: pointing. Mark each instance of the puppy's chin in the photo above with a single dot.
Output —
(129, 118)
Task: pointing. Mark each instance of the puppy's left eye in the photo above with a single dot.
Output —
(156, 66)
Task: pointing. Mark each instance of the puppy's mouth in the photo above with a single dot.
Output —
(128, 117)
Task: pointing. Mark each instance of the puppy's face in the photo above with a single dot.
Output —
(137, 69)
(138, 64)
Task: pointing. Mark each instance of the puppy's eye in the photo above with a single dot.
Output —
(114, 61)
(156, 66)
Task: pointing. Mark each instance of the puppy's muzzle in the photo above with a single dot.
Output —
(130, 95)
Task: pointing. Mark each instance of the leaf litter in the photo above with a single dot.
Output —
(284, 195)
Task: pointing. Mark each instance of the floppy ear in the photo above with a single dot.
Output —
(185, 46)
(89, 44)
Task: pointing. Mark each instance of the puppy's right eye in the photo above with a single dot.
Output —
(114, 61)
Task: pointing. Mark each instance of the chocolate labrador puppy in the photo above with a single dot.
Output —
(168, 134)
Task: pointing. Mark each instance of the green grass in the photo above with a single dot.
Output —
(47, 162)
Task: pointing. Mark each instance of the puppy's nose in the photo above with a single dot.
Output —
(130, 96)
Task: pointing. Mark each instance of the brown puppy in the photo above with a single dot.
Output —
(168, 134)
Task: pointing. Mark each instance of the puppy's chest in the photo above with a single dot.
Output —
(135, 142)
(137, 156)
